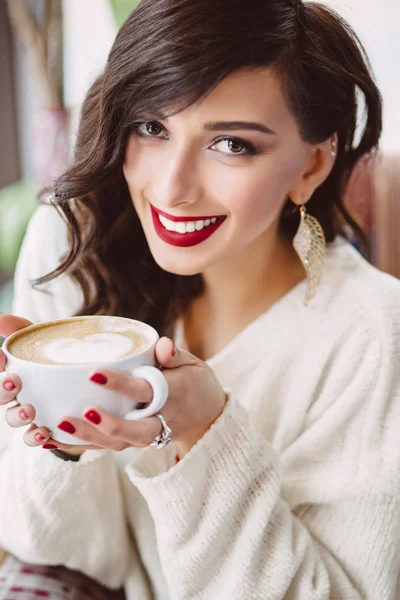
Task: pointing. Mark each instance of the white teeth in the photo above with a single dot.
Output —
(180, 227)
(186, 226)
(199, 225)
(168, 224)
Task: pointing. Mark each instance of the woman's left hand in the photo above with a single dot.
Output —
(195, 401)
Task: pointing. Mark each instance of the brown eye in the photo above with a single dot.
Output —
(235, 147)
(153, 128)
(149, 129)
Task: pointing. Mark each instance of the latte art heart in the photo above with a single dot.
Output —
(82, 340)
(90, 348)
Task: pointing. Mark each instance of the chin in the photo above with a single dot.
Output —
(175, 270)
(173, 266)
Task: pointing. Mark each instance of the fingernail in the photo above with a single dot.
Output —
(67, 427)
(99, 378)
(39, 437)
(93, 417)
(49, 447)
(23, 415)
(8, 385)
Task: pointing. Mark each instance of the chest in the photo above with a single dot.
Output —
(278, 386)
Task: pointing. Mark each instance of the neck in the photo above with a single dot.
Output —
(239, 290)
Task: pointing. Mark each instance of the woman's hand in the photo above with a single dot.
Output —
(195, 401)
(10, 386)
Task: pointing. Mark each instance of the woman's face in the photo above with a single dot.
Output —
(234, 157)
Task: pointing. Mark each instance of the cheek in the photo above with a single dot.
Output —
(137, 168)
(253, 195)
(256, 194)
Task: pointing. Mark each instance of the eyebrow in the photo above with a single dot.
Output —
(234, 125)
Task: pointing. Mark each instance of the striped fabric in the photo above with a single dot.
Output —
(19, 581)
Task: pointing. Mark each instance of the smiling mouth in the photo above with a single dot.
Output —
(184, 231)
(185, 224)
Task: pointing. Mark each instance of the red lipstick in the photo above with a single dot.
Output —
(184, 240)
(183, 219)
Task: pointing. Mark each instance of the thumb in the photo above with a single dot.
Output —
(171, 357)
(9, 324)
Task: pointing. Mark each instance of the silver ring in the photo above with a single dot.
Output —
(164, 437)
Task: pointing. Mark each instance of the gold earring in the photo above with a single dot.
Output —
(310, 245)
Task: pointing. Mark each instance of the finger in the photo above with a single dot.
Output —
(68, 448)
(3, 361)
(10, 386)
(83, 430)
(40, 436)
(170, 357)
(20, 415)
(36, 436)
(126, 385)
(9, 324)
(135, 433)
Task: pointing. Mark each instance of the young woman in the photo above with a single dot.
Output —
(220, 134)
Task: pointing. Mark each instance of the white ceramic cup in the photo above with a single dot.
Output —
(57, 391)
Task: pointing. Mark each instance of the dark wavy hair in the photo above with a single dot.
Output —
(172, 53)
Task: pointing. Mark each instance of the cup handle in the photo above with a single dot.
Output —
(159, 384)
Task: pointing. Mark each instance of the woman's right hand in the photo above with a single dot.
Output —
(10, 386)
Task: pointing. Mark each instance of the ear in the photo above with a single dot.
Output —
(317, 170)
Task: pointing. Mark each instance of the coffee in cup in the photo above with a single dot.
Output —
(79, 341)
(54, 361)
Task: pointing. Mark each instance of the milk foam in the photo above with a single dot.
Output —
(81, 341)
(91, 348)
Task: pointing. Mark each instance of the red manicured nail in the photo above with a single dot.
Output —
(22, 414)
(39, 437)
(66, 426)
(93, 416)
(8, 385)
(49, 447)
(99, 378)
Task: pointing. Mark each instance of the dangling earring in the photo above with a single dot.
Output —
(309, 243)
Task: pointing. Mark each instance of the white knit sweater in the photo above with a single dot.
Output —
(294, 491)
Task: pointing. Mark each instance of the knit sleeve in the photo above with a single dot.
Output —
(43, 248)
(64, 513)
(55, 512)
(235, 519)
(44, 244)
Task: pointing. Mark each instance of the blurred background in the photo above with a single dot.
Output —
(52, 50)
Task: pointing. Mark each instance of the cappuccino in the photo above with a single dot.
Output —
(80, 340)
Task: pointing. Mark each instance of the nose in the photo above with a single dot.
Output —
(176, 180)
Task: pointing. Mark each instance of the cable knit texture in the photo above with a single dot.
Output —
(292, 494)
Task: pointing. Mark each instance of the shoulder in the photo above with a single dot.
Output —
(347, 374)
(47, 237)
(44, 246)
(351, 333)
(352, 325)
(358, 297)
(362, 311)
